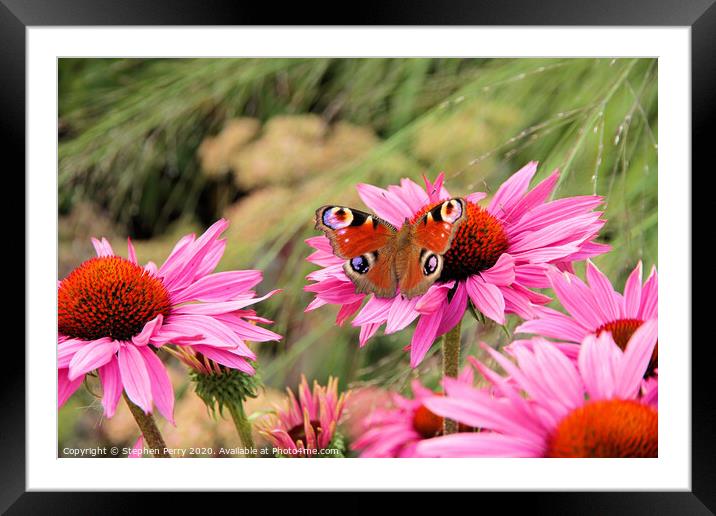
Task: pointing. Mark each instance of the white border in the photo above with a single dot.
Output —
(670, 471)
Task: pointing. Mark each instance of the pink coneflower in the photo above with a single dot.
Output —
(588, 409)
(113, 314)
(303, 427)
(498, 253)
(395, 431)
(597, 308)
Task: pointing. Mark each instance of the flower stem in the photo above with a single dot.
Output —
(243, 426)
(451, 365)
(149, 429)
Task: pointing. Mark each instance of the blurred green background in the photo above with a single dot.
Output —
(156, 148)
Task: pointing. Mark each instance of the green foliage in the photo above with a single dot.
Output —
(134, 126)
(338, 443)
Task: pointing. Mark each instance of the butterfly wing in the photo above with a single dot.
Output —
(366, 242)
(419, 262)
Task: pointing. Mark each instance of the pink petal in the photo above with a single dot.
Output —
(530, 383)
(67, 349)
(534, 297)
(512, 190)
(467, 375)
(572, 231)
(479, 409)
(219, 308)
(568, 349)
(103, 247)
(226, 358)
(636, 360)
(475, 197)
(560, 375)
(143, 338)
(346, 311)
(577, 298)
(650, 297)
(483, 444)
(366, 332)
(424, 336)
(66, 387)
(186, 268)
(506, 387)
(386, 205)
(455, 310)
(213, 332)
(111, 386)
(487, 298)
(588, 249)
(604, 294)
(534, 197)
(220, 286)
(532, 275)
(374, 311)
(597, 360)
(131, 253)
(411, 194)
(517, 303)
(135, 377)
(400, 314)
(93, 355)
(212, 258)
(435, 191)
(553, 324)
(247, 331)
(335, 291)
(162, 390)
(151, 268)
(137, 449)
(320, 243)
(555, 211)
(434, 298)
(316, 303)
(632, 293)
(502, 273)
(545, 254)
(650, 389)
(178, 252)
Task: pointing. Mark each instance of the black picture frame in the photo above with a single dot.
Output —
(17, 15)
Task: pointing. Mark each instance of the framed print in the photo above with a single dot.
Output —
(443, 256)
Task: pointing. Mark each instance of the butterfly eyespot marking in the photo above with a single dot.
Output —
(430, 264)
(451, 210)
(362, 264)
(337, 217)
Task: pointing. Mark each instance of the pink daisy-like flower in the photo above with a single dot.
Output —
(597, 308)
(590, 408)
(113, 314)
(497, 255)
(395, 431)
(304, 426)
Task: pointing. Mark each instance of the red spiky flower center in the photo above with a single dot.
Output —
(609, 428)
(479, 242)
(109, 297)
(428, 424)
(622, 330)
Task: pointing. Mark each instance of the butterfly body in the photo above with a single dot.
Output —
(382, 259)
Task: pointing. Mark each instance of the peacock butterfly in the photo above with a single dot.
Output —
(381, 258)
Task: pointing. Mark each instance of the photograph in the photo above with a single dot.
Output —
(358, 257)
